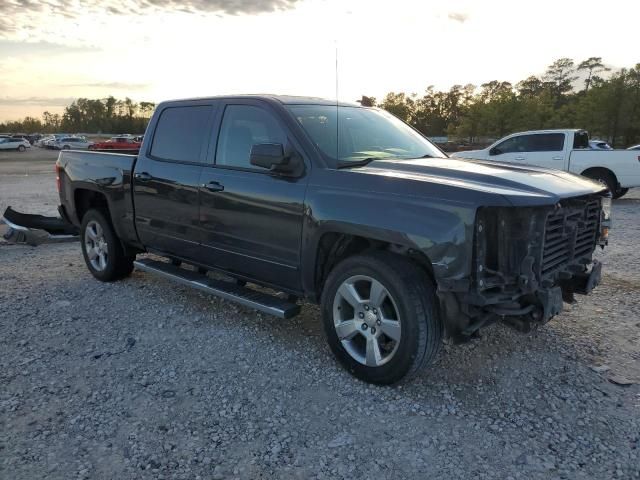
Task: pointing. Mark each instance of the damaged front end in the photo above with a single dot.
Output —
(528, 261)
(37, 229)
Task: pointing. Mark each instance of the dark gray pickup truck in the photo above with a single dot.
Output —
(344, 206)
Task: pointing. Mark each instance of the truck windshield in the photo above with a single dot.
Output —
(361, 134)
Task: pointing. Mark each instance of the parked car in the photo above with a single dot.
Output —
(399, 244)
(43, 141)
(72, 143)
(635, 147)
(565, 150)
(19, 144)
(117, 143)
(51, 142)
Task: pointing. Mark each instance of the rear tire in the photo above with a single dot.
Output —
(102, 250)
(406, 308)
(66, 147)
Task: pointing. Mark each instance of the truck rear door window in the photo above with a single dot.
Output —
(181, 133)
(581, 140)
(545, 142)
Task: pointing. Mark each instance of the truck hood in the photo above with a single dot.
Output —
(470, 154)
(519, 184)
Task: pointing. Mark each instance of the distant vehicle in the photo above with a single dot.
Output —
(50, 142)
(19, 144)
(599, 145)
(117, 143)
(566, 150)
(72, 143)
(43, 141)
(635, 147)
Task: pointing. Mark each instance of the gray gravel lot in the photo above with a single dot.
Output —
(146, 379)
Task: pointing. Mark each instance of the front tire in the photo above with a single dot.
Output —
(621, 192)
(381, 317)
(101, 248)
(21, 148)
(604, 177)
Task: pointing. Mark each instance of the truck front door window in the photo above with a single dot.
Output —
(242, 127)
(510, 145)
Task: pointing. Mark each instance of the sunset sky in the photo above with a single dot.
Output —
(54, 51)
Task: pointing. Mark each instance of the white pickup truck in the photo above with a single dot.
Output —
(565, 150)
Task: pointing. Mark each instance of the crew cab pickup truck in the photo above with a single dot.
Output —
(567, 150)
(341, 205)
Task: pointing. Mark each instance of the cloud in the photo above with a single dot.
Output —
(68, 8)
(15, 48)
(47, 101)
(25, 18)
(458, 16)
(111, 85)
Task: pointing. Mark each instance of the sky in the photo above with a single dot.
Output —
(54, 51)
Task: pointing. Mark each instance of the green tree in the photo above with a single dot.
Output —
(561, 75)
(592, 66)
(399, 104)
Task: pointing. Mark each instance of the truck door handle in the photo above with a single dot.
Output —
(143, 176)
(213, 186)
(519, 158)
(557, 158)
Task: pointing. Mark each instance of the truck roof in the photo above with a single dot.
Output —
(284, 99)
(551, 130)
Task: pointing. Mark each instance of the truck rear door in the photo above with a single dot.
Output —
(166, 178)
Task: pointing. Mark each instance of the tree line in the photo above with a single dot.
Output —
(605, 103)
(106, 115)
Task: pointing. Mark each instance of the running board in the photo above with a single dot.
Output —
(229, 291)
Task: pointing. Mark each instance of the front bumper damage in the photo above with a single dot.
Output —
(37, 229)
(527, 263)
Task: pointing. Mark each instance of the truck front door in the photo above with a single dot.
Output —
(251, 219)
(166, 179)
(541, 149)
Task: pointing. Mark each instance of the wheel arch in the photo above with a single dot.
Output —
(333, 246)
(85, 199)
(594, 170)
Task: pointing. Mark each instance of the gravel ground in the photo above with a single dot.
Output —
(146, 379)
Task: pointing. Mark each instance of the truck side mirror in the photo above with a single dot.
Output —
(272, 157)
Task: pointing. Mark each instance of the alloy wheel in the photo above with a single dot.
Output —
(367, 320)
(96, 246)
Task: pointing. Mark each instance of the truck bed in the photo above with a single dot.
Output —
(625, 164)
(83, 174)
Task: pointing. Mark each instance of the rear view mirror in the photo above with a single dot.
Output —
(272, 157)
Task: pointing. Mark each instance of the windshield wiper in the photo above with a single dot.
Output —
(356, 163)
